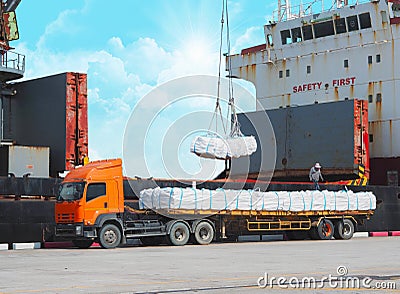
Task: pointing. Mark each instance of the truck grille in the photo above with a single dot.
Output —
(63, 230)
(65, 217)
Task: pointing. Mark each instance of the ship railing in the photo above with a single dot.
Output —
(12, 60)
(287, 11)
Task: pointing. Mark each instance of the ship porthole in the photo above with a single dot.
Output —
(284, 161)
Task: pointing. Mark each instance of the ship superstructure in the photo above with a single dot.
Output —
(348, 51)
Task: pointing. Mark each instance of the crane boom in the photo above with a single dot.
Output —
(11, 5)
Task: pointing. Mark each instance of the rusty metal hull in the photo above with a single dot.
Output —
(50, 111)
(386, 171)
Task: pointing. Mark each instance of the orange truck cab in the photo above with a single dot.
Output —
(90, 197)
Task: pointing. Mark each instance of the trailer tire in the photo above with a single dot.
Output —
(109, 236)
(344, 230)
(325, 229)
(82, 244)
(179, 234)
(204, 233)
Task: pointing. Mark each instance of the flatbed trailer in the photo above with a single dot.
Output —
(92, 207)
(229, 224)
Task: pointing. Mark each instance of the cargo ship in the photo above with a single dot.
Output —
(326, 77)
(314, 55)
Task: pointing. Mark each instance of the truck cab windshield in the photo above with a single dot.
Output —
(71, 191)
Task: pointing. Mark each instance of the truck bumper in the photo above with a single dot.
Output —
(75, 231)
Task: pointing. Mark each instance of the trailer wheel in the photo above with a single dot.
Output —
(82, 244)
(179, 234)
(344, 230)
(109, 236)
(204, 233)
(325, 230)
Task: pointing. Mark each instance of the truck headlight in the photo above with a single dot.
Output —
(78, 230)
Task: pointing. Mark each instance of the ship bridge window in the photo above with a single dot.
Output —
(370, 98)
(307, 32)
(396, 9)
(340, 25)
(323, 29)
(365, 20)
(286, 38)
(296, 35)
(352, 23)
(269, 40)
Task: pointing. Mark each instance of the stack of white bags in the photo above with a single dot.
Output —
(220, 199)
(219, 148)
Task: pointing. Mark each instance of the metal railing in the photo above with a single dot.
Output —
(287, 11)
(12, 60)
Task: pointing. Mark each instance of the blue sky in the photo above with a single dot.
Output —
(129, 47)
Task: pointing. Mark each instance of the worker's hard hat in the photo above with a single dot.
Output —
(317, 165)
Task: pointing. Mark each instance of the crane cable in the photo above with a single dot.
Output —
(218, 110)
(235, 126)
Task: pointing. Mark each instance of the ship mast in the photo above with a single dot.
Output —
(283, 9)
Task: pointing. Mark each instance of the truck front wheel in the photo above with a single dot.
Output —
(179, 234)
(109, 236)
(204, 233)
(82, 244)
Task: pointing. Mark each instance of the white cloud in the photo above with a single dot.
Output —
(143, 57)
(252, 37)
(62, 25)
(116, 43)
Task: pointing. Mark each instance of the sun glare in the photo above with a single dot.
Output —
(197, 48)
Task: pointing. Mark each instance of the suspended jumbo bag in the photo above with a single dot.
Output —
(210, 147)
(241, 146)
(219, 148)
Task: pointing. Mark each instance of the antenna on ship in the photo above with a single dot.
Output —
(283, 9)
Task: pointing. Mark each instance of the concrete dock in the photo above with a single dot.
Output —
(216, 268)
